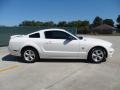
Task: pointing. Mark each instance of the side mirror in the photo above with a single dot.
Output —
(81, 37)
(69, 38)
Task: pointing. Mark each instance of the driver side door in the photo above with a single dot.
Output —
(59, 44)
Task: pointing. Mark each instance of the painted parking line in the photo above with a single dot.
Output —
(8, 68)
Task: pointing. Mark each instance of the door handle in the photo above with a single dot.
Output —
(49, 42)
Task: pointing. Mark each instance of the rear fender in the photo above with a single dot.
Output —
(32, 44)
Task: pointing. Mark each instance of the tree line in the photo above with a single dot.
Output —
(83, 25)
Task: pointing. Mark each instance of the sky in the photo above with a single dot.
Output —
(13, 12)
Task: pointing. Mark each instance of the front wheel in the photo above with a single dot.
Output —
(29, 55)
(97, 55)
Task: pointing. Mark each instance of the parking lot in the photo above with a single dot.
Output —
(61, 74)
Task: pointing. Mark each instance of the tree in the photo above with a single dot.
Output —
(37, 23)
(118, 26)
(49, 24)
(85, 23)
(97, 21)
(84, 28)
(62, 24)
(108, 22)
(118, 19)
(29, 23)
(75, 24)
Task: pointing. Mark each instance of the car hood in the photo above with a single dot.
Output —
(97, 41)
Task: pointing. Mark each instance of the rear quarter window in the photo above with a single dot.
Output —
(35, 35)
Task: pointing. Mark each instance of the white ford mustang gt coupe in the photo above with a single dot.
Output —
(58, 44)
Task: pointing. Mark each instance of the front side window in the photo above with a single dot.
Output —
(35, 35)
(57, 35)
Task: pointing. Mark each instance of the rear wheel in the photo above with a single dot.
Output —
(30, 55)
(97, 55)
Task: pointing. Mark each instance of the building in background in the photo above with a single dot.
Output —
(103, 29)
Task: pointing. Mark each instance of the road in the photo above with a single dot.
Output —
(60, 74)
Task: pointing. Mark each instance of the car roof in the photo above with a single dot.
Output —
(55, 29)
(52, 29)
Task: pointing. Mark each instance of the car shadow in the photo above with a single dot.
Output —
(19, 59)
(11, 58)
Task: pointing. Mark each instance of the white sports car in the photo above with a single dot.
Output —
(59, 44)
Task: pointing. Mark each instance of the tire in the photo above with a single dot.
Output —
(30, 55)
(97, 55)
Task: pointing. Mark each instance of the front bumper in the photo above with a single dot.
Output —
(110, 52)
